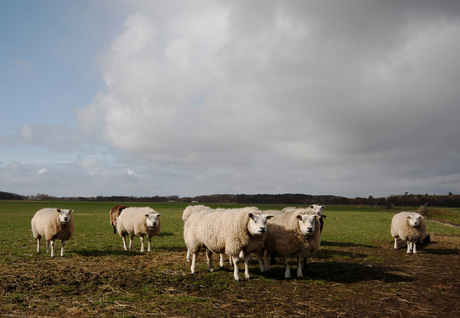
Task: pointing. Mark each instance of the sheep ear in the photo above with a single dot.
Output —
(159, 214)
(251, 215)
(58, 210)
(299, 216)
(269, 217)
(147, 215)
(70, 211)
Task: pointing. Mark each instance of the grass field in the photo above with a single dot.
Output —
(357, 273)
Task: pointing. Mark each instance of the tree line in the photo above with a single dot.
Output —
(412, 200)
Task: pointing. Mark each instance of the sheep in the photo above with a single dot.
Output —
(228, 231)
(198, 208)
(52, 224)
(139, 222)
(409, 226)
(293, 233)
(315, 208)
(193, 209)
(186, 214)
(114, 214)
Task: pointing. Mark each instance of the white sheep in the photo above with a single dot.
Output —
(138, 222)
(228, 231)
(52, 224)
(193, 209)
(408, 226)
(186, 214)
(114, 214)
(292, 233)
(318, 209)
(198, 208)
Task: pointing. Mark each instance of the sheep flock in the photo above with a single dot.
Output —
(291, 233)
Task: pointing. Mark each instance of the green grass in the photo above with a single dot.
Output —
(348, 225)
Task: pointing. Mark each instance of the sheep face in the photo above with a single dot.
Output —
(414, 220)
(152, 220)
(258, 223)
(318, 209)
(64, 215)
(307, 223)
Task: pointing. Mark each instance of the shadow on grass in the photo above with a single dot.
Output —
(165, 234)
(342, 244)
(426, 248)
(94, 252)
(328, 253)
(340, 272)
(442, 251)
(121, 252)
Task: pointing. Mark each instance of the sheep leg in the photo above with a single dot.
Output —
(188, 255)
(47, 246)
(192, 267)
(267, 260)
(299, 267)
(396, 243)
(246, 265)
(221, 262)
(52, 247)
(209, 260)
(149, 245)
(142, 243)
(131, 241)
(287, 274)
(38, 245)
(414, 249)
(124, 241)
(409, 247)
(62, 248)
(235, 267)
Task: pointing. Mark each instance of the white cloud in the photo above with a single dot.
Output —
(63, 138)
(42, 170)
(285, 91)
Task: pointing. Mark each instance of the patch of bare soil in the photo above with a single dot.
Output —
(343, 280)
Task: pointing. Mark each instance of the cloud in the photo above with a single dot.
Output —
(42, 170)
(291, 96)
(63, 138)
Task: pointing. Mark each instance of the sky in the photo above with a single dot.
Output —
(145, 98)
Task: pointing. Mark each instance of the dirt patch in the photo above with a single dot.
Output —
(343, 280)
